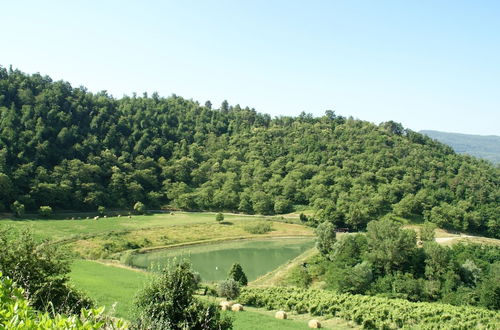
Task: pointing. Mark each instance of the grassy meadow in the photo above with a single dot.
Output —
(107, 237)
(108, 285)
(115, 288)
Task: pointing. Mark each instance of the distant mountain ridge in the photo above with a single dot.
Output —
(481, 146)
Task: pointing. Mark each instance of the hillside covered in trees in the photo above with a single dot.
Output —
(71, 149)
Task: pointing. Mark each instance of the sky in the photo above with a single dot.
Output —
(426, 64)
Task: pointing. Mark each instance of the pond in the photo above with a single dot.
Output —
(212, 261)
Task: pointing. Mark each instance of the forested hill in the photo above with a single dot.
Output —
(71, 149)
(482, 146)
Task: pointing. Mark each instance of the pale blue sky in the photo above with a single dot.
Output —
(426, 64)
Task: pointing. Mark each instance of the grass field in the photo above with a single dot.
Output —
(94, 239)
(109, 285)
(258, 319)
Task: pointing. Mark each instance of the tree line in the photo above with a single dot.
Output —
(67, 148)
(389, 261)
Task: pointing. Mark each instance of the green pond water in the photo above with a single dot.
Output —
(213, 261)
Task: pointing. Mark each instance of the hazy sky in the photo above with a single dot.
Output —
(427, 64)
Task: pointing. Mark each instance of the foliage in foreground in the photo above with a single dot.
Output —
(371, 312)
(42, 270)
(17, 313)
(168, 303)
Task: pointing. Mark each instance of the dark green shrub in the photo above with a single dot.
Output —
(140, 208)
(219, 217)
(18, 209)
(45, 211)
(101, 210)
(237, 274)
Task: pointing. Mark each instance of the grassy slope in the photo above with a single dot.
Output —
(163, 229)
(108, 285)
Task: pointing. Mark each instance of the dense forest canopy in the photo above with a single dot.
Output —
(71, 149)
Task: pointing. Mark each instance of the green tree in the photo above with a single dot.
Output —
(326, 238)
(262, 203)
(390, 248)
(489, 290)
(282, 205)
(349, 250)
(219, 217)
(427, 232)
(229, 289)
(437, 261)
(101, 210)
(18, 209)
(140, 208)
(167, 302)
(357, 279)
(237, 274)
(45, 211)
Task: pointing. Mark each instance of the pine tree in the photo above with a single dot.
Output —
(236, 273)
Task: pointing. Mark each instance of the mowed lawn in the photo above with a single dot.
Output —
(108, 285)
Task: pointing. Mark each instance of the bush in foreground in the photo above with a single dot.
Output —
(42, 271)
(17, 313)
(167, 302)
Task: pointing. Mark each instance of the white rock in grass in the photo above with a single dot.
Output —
(280, 315)
(314, 324)
(237, 308)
